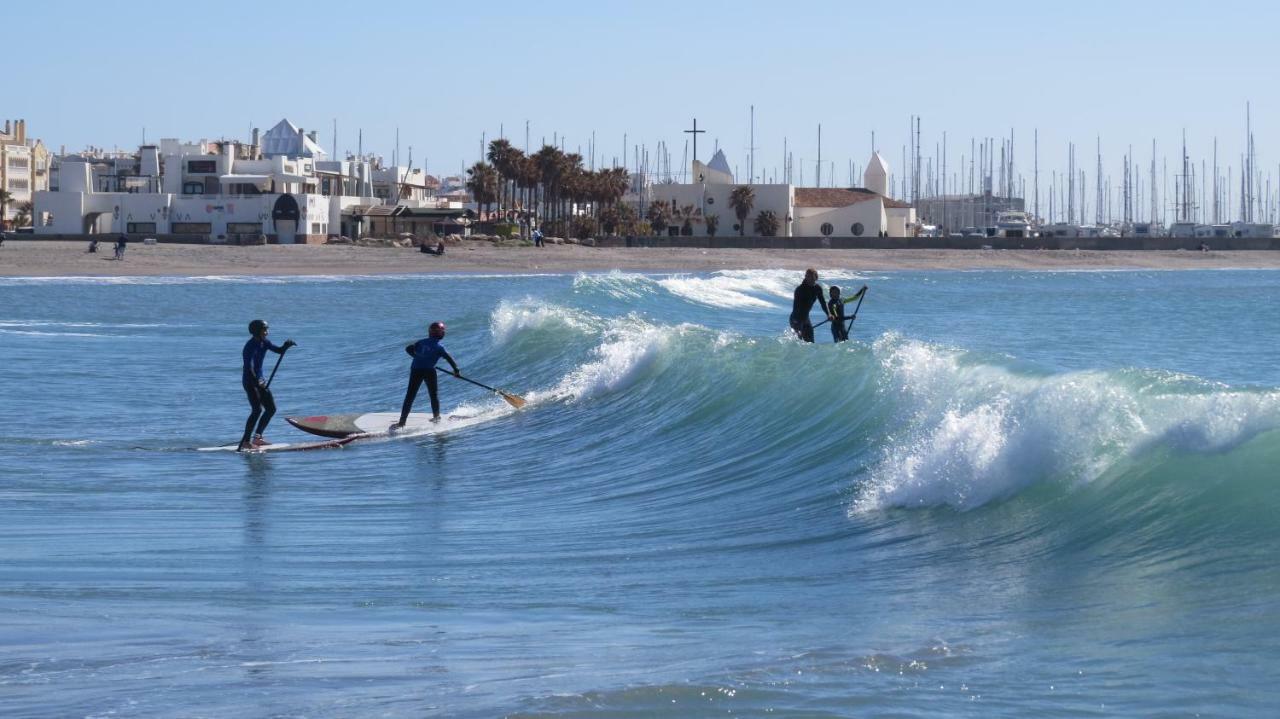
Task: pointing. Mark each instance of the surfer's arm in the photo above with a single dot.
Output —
(449, 358)
(409, 350)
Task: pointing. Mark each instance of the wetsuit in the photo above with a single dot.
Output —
(838, 332)
(262, 404)
(426, 353)
(806, 295)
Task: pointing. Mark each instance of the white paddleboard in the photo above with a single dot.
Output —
(379, 424)
(282, 446)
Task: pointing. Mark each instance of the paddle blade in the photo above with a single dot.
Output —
(513, 400)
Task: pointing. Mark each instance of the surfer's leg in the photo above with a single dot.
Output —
(797, 326)
(255, 411)
(410, 394)
(432, 386)
(806, 330)
(268, 410)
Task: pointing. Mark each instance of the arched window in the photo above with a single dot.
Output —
(827, 229)
(857, 229)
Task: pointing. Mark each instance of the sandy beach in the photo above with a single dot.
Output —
(41, 258)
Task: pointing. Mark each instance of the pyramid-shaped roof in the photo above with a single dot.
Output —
(283, 140)
(719, 163)
(877, 165)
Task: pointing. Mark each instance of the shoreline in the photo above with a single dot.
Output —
(55, 258)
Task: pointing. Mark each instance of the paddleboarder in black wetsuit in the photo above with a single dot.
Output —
(807, 293)
(262, 404)
(839, 330)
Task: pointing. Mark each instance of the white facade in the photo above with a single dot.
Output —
(223, 191)
(801, 212)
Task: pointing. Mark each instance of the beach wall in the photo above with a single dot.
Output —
(810, 243)
(183, 239)
(945, 243)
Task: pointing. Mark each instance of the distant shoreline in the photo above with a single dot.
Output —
(45, 258)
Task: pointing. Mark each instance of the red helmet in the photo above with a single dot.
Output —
(436, 330)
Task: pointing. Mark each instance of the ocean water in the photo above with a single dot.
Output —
(1012, 494)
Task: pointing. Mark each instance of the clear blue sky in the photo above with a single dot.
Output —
(97, 73)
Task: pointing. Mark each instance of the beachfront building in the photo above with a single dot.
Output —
(279, 187)
(865, 211)
(24, 171)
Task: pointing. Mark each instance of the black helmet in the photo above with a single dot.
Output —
(257, 327)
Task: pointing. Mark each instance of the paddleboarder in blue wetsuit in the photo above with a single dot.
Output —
(426, 353)
(807, 292)
(262, 404)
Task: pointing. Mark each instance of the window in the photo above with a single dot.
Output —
(827, 228)
(138, 228)
(244, 228)
(19, 163)
(857, 229)
(192, 228)
(711, 200)
(16, 184)
(192, 188)
(202, 167)
(315, 228)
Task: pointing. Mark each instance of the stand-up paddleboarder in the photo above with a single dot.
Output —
(426, 353)
(840, 330)
(807, 292)
(262, 404)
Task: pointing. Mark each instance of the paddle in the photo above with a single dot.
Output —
(514, 400)
(855, 311)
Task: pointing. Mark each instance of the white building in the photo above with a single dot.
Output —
(281, 186)
(801, 211)
(24, 170)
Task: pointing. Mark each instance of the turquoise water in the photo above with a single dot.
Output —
(1014, 494)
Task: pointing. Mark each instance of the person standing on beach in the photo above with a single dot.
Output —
(807, 292)
(120, 245)
(537, 238)
(426, 353)
(262, 404)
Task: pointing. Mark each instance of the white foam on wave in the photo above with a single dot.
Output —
(976, 432)
(615, 283)
(511, 318)
(629, 347)
(146, 280)
(760, 289)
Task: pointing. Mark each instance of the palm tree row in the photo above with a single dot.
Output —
(549, 186)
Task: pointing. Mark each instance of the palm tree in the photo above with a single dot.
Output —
(501, 154)
(742, 200)
(25, 211)
(713, 223)
(5, 199)
(657, 216)
(548, 162)
(482, 181)
(766, 223)
(686, 214)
